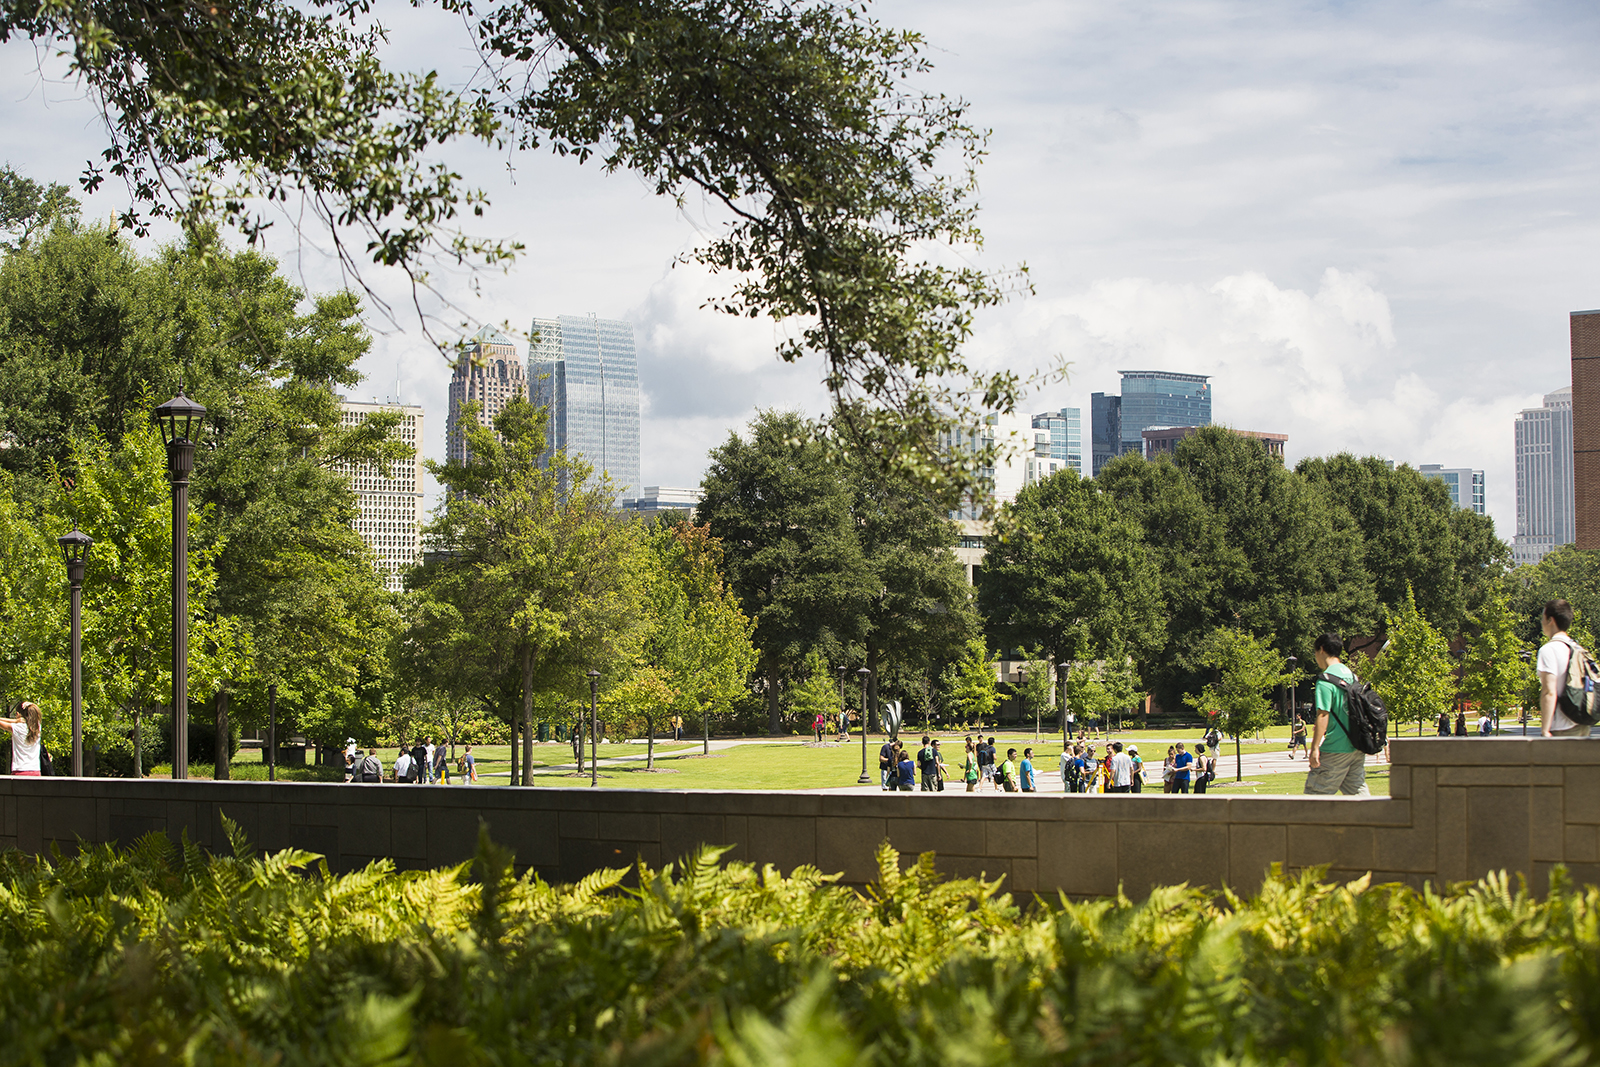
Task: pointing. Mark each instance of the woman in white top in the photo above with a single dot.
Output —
(24, 739)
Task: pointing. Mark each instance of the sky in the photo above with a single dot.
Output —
(1367, 221)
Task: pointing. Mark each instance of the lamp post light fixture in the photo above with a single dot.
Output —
(75, 547)
(863, 674)
(594, 729)
(180, 420)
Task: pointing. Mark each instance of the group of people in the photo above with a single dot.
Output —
(423, 764)
(898, 772)
(1120, 770)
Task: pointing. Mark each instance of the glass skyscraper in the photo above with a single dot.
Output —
(1066, 435)
(1158, 398)
(1546, 517)
(1464, 483)
(584, 370)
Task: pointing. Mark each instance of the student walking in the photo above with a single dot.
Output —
(1297, 735)
(969, 768)
(1121, 769)
(369, 768)
(441, 764)
(1137, 776)
(986, 761)
(940, 771)
(1555, 656)
(404, 766)
(677, 727)
(469, 766)
(887, 768)
(1025, 772)
(1068, 763)
(1006, 776)
(25, 731)
(1337, 766)
(1203, 769)
(907, 775)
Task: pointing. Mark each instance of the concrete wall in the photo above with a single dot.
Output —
(1460, 808)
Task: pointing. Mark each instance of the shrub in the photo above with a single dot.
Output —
(160, 953)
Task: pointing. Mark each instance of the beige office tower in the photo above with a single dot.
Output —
(390, 503)
(489, 374)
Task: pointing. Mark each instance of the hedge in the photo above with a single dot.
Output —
(164, 954)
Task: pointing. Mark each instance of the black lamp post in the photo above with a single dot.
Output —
(863, 674)
(1022, 699)
(594, 729)
(180, 419)
(75, 546)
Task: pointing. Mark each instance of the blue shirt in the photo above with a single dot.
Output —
(908, 772)
(1027, 774)
(1181, 765)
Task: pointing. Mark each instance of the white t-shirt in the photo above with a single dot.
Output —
(1554, 657)
(402, 765)
(1121, 769)
(24, 757)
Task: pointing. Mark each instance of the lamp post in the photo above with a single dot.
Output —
(1022, 699)
(180, 419)
(594, 729)
(863, 674)
(75, 547)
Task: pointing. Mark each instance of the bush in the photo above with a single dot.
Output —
(156, 952)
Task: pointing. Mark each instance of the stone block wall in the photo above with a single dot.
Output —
(1458, 809)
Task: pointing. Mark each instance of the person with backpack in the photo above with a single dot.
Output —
(927, 765)
(1006, 775)
(1137, 775)
(1337, 765)
(404, 766)
(1565, 708)
(441, 764)
(969, 767)
(1205, 769)
(1444, 724)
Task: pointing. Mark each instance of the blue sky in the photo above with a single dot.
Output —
(1368, 221)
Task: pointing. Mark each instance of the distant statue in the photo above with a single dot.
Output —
(889, 711)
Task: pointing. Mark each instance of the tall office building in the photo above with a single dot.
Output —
(488, 373)
(1586, 428)
(585, 371)
(390, 502)
(1151, 399)
(1544, 478)
(1019, 448)
(1154, 399)
(1464, 483)
(1105, 430)
(1066, 436)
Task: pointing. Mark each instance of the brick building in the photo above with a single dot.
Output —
(1586, 426)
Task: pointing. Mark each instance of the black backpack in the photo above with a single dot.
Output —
(1366, 718)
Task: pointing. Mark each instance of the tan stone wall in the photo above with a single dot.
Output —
(1459, 809)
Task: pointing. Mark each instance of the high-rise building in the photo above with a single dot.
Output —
(488, 373)
(1586, 428)
(1464, 483)
(585, 371)
(1105, 430)
(389, 519)
(1164, 440)
(1544, 478)
(1066, 436)
(1158, 398)
(654, 500)
(1018, 450)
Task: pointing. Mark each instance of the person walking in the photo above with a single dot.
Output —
(927, 765)
(441, 765)
(907, 776)
(887, 768)
(1137, 776)
(1297, 735)
(817, 724)
(1121, 765)
(25, 731)
(1006, 776)
(1025, 773)
(1203, 767)
(1181, 762)
(1168, 770)
(469, 766)
(1337, 766)
(1105, 772)
(1555, 656)
(370, 768)
(1444, 724)
(677, 727)
(986, 761)
(1067, 762)
(403, 764)
(1461, 724)
(940, 771)
(969, 767)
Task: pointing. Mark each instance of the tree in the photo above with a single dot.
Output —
(1037, 688)
(1413, 673)
(782, 513)
(1567, 573)
(26, 207)
(1067, 572)
(1495, 673)
(801, 122)
(973, 686)
(815, 694)
(698, 641)
(1239, 699)
(533, 561)
(33, 620)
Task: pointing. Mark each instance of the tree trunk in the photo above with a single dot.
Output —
(872, 687)
(773, 719)
(221, 773)
(527, 715)
(650, 743)
(513, 780)
(138, 745)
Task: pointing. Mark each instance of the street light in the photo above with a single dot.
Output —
(75, 547)
(1022, 699)
(863, 674)
(180, 419)
(594, 730)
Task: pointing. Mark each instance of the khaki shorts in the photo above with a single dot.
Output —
(1339, 772)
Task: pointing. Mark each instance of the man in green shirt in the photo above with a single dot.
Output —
(1337, 766)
